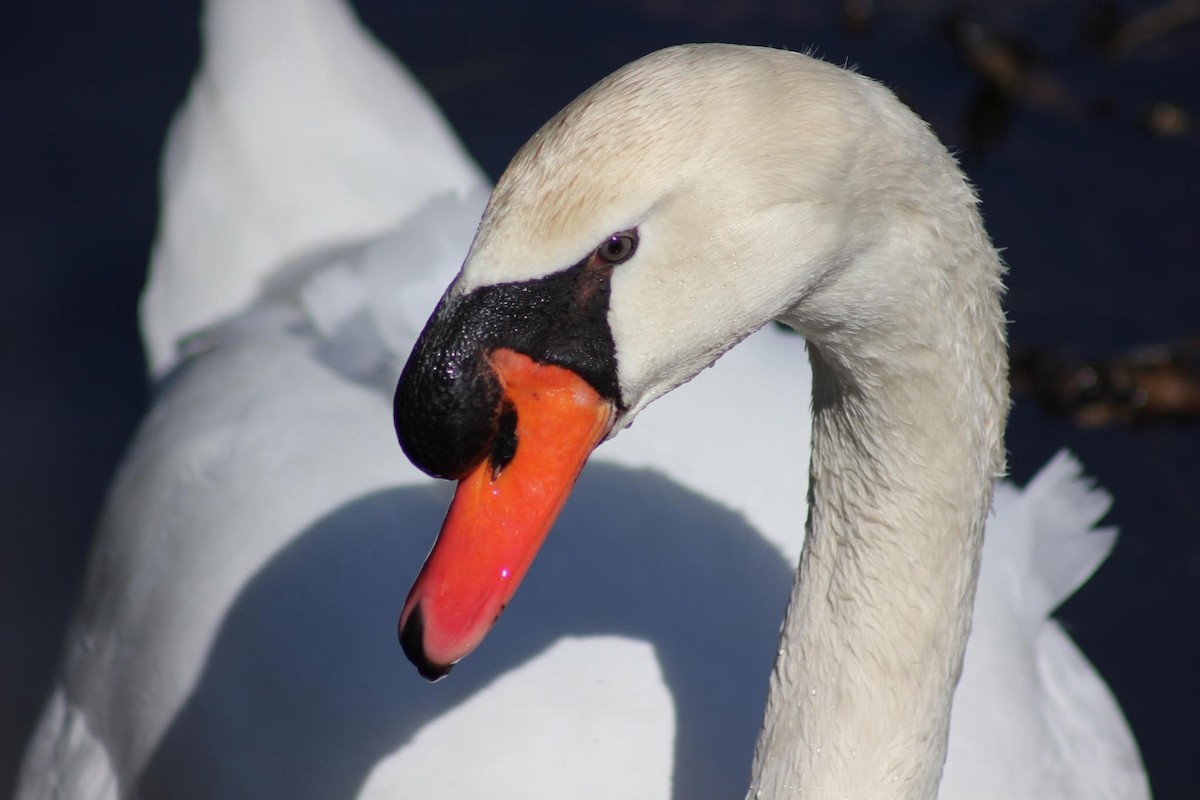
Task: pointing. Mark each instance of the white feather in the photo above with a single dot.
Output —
(235, 636)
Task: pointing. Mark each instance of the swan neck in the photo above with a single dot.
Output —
(904, 452)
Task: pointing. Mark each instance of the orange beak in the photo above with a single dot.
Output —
(501, 514)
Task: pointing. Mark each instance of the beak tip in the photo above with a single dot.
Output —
(412, 641)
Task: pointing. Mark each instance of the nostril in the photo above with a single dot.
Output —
(504, 446)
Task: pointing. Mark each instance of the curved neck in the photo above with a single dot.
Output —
(906, 441)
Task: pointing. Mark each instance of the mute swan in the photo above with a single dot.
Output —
(234, 633)
(638, 236)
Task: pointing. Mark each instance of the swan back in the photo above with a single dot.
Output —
(1031, 716)
(300, 137)
(253, 178)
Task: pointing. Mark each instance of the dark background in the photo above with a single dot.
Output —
(1097, 213)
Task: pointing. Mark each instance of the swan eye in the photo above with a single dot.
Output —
(618, 248)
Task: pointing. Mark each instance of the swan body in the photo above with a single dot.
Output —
(233, 636)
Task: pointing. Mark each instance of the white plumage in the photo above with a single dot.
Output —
(236, 632)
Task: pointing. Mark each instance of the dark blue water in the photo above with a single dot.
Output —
(1098, 218)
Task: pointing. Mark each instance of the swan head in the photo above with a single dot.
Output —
(748, 180)
(663, 216)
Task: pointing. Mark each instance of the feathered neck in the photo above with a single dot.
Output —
(908, 422)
